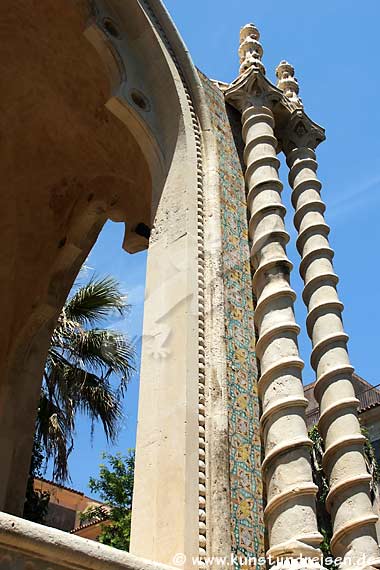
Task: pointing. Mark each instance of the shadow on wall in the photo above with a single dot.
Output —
(70, 164)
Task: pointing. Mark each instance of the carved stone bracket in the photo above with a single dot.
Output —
(297, 130)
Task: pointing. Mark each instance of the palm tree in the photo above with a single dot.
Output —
(80, 371)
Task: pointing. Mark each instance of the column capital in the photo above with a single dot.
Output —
(252, 88)
(299, 131)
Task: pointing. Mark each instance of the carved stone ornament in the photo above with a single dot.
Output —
(250, 50)
(300, 131)
(288, 83)
(252, 88)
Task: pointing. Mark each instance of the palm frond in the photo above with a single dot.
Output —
(103, 352)
(76, 390)
(54, 429)
(101, 403)
(94, 302)
(80, 369)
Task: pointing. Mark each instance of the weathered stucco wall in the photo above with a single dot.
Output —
(166, 516)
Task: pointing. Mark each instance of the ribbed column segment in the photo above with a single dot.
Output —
(290, 511)
(353, 519)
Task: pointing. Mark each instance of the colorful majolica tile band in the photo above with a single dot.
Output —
(247, 524)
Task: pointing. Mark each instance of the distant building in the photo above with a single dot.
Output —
(65, 507)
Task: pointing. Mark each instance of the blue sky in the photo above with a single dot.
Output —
(333, 46)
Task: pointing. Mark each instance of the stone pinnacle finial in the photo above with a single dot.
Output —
(288, 83)
(250, 49)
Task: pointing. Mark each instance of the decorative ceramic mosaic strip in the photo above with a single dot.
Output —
(247, 524)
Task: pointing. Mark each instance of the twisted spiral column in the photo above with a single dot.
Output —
(353, 519)
(290, 511)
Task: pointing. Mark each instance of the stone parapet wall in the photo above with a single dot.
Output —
(29, 546)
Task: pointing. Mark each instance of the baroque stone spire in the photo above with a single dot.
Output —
(250, 49)
(287, 82)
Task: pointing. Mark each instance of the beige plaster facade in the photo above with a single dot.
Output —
(111, 120)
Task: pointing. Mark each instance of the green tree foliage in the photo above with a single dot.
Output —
(82, 364)
(320, 479)
(371, 464)
(36, 502)
(115, 488)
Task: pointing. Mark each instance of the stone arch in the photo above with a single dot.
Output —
(89, 135)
